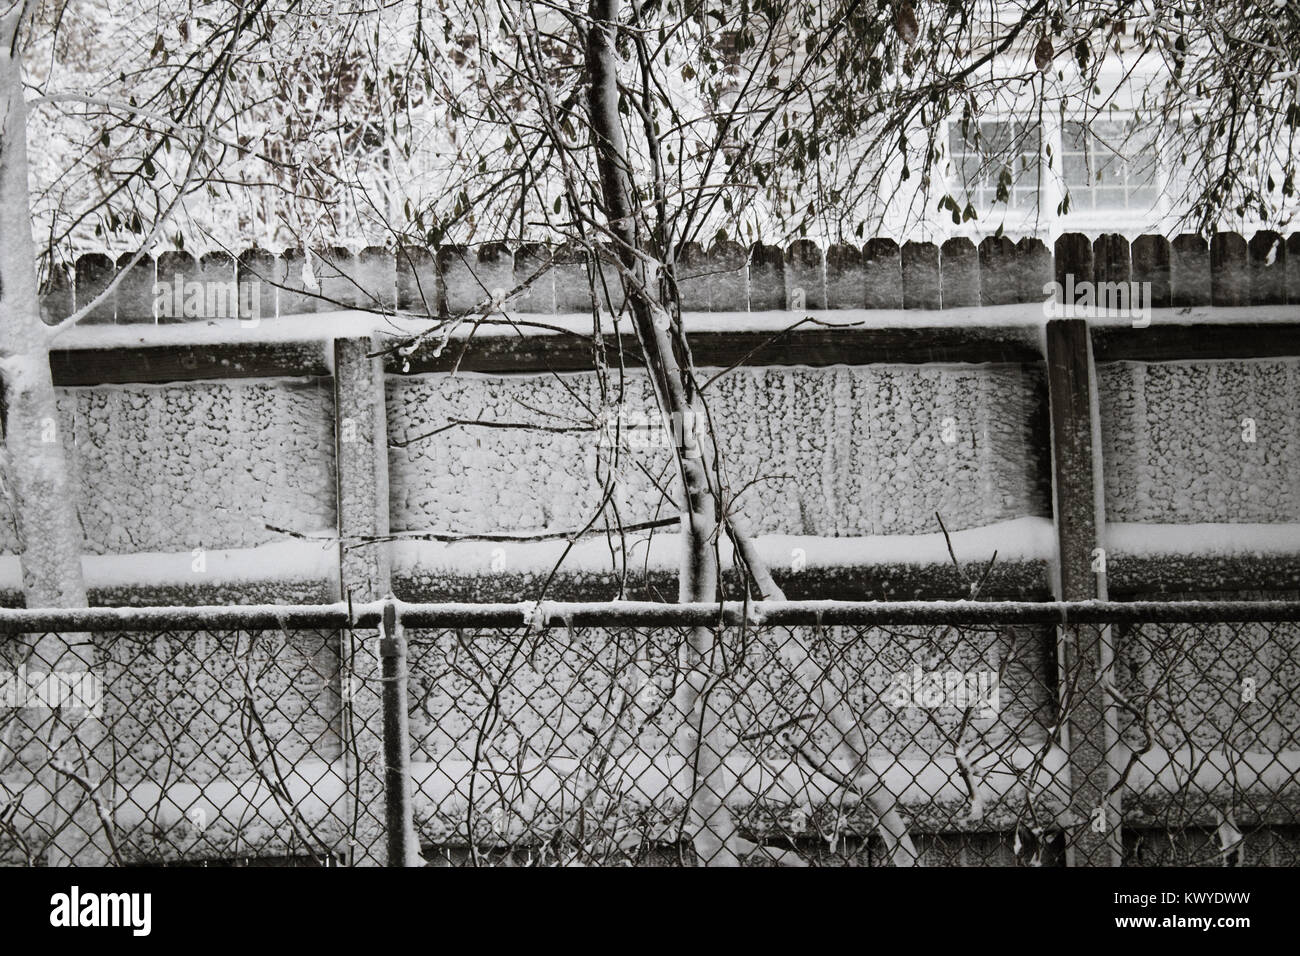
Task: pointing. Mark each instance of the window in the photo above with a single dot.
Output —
(1108, 165)
(996, 162)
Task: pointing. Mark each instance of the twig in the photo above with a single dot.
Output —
(455, 422)
(105, 818)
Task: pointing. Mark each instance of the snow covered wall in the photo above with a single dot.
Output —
(833, 452)
(1207, 450)
(819, 453)
(181, 475)
(1188, 443)
(814, 454)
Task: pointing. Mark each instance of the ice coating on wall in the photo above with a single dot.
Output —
(197, 465)
(832, 452)
(1204, 442)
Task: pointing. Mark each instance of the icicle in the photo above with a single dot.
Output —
(282, 619)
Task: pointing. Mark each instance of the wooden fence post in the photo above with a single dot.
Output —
(1229, 269)
(94, 272)
(1151, 265)
(766, 278)
(921, 277)
(883, 264)
(959, 273)
(1000, 271)
(803, 270)
(1084, 654)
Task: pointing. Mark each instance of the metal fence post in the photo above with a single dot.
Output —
(1085, 655)
(398, 817)
(361, 454)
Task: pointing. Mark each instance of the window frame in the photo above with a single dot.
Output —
(1046, 221)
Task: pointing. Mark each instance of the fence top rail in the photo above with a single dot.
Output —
(638, 614)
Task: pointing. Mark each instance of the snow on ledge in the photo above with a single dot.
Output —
(1020, 539)
(278, 561)
(1202, 540)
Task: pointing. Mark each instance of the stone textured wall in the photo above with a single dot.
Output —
(1177, 445)
(199, 464)
(835, 452)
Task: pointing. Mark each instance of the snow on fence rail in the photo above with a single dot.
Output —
(546, 733)
(1226, 270)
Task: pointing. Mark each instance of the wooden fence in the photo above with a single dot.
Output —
(1226, 270)
(1225, 298)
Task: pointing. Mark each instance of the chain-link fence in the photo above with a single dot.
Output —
(633, 734)
(223, 736)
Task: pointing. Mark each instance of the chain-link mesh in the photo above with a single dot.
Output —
(665, 745)
(182, 745)
(1209, 733)
(640, 735)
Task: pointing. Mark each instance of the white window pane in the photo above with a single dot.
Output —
(1143, 197)
(958, 144)
(1024, 198)
(1109, 197)
(1075, 169)
(1072, 137)
(995, 138)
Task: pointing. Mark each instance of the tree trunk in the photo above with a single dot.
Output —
(715, 838)
(44, 502)
(700, 740)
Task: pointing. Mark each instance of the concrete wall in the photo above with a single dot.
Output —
(846, 451)
(1201, 442)
(832, 452)
(197, 464)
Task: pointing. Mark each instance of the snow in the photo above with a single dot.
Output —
(279, 561)
(318, 327)
(1190, 442)
(1160, 771)
(174, 467)
(1021, 539)
(526, 797)
(1207, 539)
(322, 326)
(538, 790)
(843, 452)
